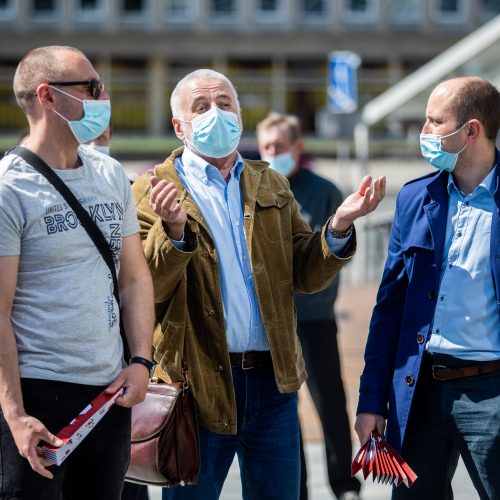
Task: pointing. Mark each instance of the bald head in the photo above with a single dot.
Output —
(471, 97)
(41, 65)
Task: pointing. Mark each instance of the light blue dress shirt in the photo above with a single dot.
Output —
(466, 323)
(220, 204)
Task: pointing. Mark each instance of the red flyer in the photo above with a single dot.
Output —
(74, 433)
(378, 458)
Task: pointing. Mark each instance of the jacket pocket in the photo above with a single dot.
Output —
(168, 342)
(273, 215)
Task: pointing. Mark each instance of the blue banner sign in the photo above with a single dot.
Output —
(342, 81)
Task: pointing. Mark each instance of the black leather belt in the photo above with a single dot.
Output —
(249, 359)
(443, 371)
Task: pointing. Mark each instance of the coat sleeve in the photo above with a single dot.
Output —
(166, 263)
(385, 327)
(314, 264)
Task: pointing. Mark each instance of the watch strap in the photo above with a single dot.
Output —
(144, 362)
(339, 234)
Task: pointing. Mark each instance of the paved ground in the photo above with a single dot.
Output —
(353, 310)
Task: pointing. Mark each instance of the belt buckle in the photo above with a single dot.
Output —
(434, 371)
(243, 367)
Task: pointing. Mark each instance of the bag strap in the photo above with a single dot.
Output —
(83, 216)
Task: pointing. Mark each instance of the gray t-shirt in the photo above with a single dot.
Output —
(64, 316)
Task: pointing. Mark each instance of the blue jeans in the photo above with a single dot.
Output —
(96, 469)
(267, 444)
(448, 419)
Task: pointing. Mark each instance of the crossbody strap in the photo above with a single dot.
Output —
(83, 216)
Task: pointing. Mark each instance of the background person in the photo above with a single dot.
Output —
(102, 143)
(432, 359)
(59, 322)
(281, 145)
(227, 247)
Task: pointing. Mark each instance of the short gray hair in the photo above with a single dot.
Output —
(199, 74)
(40, 65)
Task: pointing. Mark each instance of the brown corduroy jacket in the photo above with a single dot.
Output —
(286, 257)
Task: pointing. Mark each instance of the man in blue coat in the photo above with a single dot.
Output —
(432, 360)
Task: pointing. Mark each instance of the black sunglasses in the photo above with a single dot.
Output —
(95, 86)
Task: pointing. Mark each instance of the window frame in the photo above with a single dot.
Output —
(355, 17)
(441, 17)
(276, 16)
(394, 19)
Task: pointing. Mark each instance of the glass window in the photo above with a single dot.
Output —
(448, 6)
(314, 7)
(450, 11)
(223, 7)
(130, 6)
(268, 5)
(43, 5)
(357, 5)
(91, 10)
(405, 11)
(271, 11)
(360, 10)
(88, 4)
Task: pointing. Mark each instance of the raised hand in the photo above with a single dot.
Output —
(163, 200)
(360, 203)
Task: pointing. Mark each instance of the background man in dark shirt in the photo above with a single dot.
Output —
(281, 144)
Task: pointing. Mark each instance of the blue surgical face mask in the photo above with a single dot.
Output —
(283, 163)
(216, 133)
(432, 150)
(101, 149)
(96, 116)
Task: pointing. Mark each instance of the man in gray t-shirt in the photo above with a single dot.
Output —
(59, 320)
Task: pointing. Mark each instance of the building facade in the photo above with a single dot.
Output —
(275, 51)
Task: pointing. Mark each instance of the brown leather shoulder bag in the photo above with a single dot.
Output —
(165, 448)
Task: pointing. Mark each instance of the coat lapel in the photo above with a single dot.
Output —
(437, 212)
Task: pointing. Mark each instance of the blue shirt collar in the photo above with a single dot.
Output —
(488, 183)
(204, 170)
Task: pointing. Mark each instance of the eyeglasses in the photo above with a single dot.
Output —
(95, 86)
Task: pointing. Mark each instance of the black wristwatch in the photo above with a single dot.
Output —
(150, 365)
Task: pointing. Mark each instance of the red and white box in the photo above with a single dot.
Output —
(74, 433)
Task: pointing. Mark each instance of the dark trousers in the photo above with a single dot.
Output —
(321, 355)
(448, 419)
(132, 491)
(95, 469)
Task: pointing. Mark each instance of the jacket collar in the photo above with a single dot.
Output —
(250, 178)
